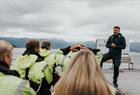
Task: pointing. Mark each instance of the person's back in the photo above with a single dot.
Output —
(28, 58)
(11, 85)
(83, 77)
(50, 57)
(30, 66)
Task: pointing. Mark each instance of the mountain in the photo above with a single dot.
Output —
(135, 47)
(16, 42)
(90, 44)
(20, 42)
(59, 43)
(56, 43)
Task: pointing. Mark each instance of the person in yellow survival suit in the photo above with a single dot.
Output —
(57, 59)
(65, 54)
(10, 84)
(53, 58)
(49, 57)
(32, 67)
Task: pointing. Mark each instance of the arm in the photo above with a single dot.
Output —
(65, 50)
(123, 45)
(71, 48)
(95, 51)
(28, 90)
(108, 44)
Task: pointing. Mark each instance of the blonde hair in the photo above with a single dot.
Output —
(5, 48)
(83, 77)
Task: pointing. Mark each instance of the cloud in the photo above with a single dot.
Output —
(69, 19)
(102, 3)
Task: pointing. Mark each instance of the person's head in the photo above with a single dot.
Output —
(6, 52)
(46, 45)
(116, 30)
(83, 77)
(32, 45)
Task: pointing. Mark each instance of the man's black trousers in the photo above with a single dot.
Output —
(116, 64)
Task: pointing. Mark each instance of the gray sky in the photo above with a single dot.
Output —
(71, 20)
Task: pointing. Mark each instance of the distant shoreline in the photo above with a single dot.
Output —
(60, 43)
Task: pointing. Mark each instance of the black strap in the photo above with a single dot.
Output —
(26, 74)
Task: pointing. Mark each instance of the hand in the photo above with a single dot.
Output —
(76, 46)
(113, 45)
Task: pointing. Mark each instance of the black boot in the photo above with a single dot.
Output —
(115, 85)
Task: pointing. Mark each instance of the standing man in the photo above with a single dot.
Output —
(115, 43)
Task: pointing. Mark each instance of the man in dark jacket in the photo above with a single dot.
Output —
(115, 43)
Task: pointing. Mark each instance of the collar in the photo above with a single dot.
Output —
(117, 35)
(4, 64)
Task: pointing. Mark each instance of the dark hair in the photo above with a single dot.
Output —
(46, 45)
(116, 27)
(31, 47)
(32, 44)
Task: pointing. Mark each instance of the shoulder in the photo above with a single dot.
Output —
(111, 36)
(16, 86)
(121, 36)
(11, 77)
(12, 80)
